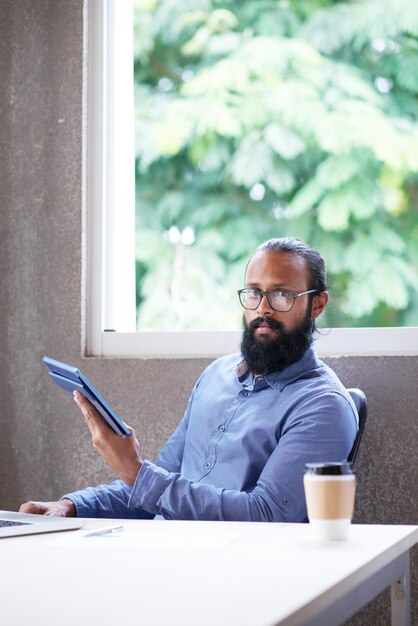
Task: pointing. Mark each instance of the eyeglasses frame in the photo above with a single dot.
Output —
(267, 293)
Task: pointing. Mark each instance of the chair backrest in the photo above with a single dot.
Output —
(360, 400)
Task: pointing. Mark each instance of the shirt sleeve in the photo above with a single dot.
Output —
(111, 500)
(319, 429)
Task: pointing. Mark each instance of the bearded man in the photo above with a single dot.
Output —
(252, 422)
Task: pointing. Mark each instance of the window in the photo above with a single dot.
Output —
(112, 227)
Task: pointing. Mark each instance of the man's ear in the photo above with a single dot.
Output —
(319, 302)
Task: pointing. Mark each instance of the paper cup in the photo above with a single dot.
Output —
(330, 493)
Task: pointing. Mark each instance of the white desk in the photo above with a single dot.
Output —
(202, 574)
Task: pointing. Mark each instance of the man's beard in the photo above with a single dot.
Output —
(266, 354)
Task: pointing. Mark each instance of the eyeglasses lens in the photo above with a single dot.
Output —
(278, 301)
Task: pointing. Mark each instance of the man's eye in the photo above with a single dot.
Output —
(280, 295)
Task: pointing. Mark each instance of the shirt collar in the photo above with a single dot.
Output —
(279, 380)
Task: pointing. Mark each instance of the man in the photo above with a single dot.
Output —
(253, 419)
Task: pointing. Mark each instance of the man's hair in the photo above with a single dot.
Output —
(314, 261)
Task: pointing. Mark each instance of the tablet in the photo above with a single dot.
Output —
(71, 379)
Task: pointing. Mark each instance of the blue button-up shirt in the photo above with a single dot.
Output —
(240, 450)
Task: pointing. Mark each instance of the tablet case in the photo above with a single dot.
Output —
(70, 379)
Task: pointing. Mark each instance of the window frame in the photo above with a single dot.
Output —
(109, 253)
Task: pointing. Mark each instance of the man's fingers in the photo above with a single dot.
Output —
(61, 508)
(121, 453)
(90, 414)
(99, 430)
(33, 507)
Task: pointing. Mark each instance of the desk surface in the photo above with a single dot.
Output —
(188, 573)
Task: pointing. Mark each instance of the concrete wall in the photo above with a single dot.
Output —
(44, 446)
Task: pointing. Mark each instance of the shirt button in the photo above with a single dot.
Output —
(222, 428)
(243, 393)
(207, 465)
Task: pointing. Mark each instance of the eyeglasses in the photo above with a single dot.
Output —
(278, 300)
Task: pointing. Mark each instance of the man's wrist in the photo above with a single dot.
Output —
(69, 507)
(151, 482)
(133, 474)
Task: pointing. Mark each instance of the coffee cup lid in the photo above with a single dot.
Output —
(329, 469)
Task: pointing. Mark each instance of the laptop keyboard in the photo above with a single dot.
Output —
(8, 522)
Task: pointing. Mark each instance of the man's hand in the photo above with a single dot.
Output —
(62, 508)
(120, 453)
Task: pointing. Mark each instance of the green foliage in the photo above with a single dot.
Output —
(257, 119)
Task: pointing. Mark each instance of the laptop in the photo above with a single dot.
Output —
(14, 524)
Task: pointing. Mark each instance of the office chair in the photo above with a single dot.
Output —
(360, 400)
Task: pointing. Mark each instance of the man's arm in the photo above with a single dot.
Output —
(104, 501)
(323, 430)
(110, 500)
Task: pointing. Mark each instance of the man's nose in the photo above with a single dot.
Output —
(264, 307)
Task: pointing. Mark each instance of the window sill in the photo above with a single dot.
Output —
(211, 344)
